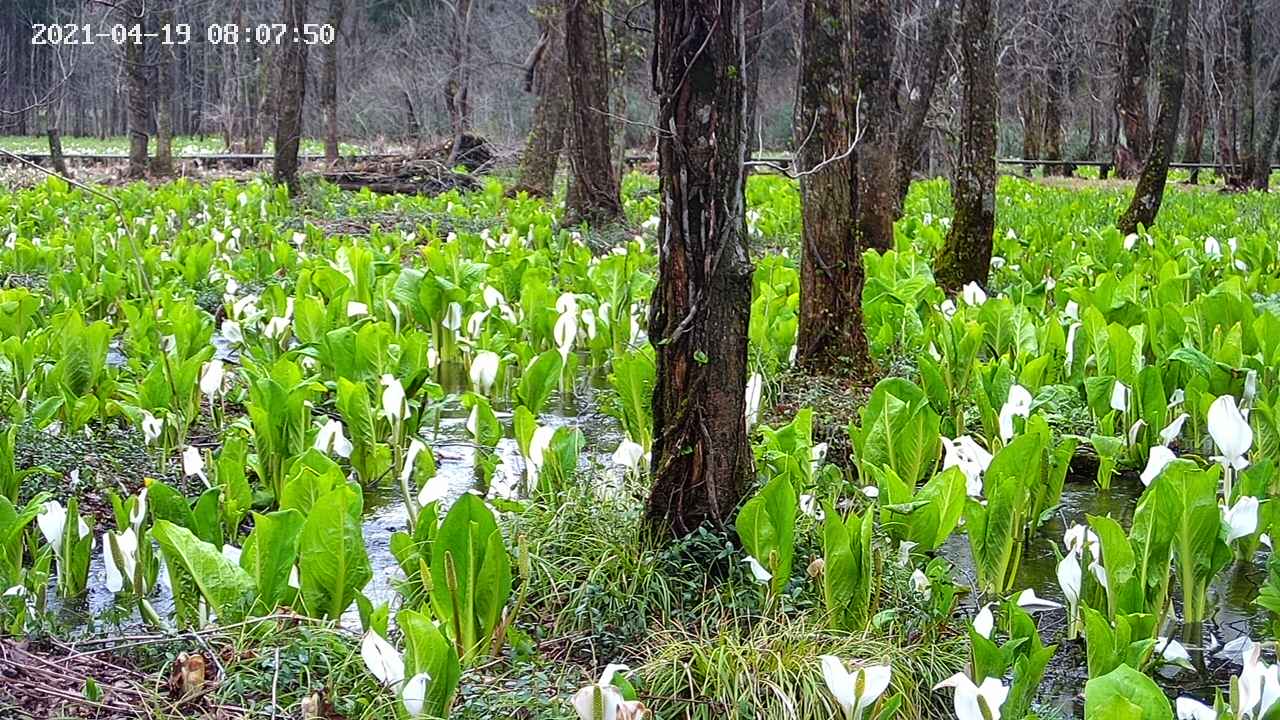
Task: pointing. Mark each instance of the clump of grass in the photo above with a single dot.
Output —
(771, 670)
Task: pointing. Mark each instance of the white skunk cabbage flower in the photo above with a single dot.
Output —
(126, 543)
(755, 387)
(414, 694)
(1119, 397)
(1230, 432)
(332, 440)
(972, 459)
(976, 702)
(1017, 405)
(973, 294)
(193, 463)
(484, 371)
(628, 455)
(758, 571)
(211, 377)
(1027, 600)
(1173, 429)
(1158, 459)
(152, 427)
(394, 405)
(858, 690)
(1242, 518)
(382, 659)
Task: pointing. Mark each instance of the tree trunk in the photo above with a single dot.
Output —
(232, 83)
(831, 272)
(136, 82)
(1032, 124)
(1267, 151)
(457, 89)
(753, 31)
(545, 76)
(293, 90)
(877, 184)
(920, 97)
(1053, 132)
(1173, 76)
(411, 118)
(966, 254)
(329, 82)
(594, 195)
(1194, 148)
(702, 302)
(162, 165)
(1136, 21)
(1249, 103)
(56, 158)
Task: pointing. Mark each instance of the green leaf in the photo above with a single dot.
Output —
(538, 380)
(334, 565)
(223, 584)
(269, 555)
(1125, 693)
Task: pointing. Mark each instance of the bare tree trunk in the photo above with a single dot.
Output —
(966, 254)
(752, 30)
(255, 125)
(136, 81)
(457, 89)
(1262, 166)
(54, 133)
(920, 94)
(1149, 193)
(831, 273)
(594, 194)
(329, 82)
(231, 83)
(162, 165)
(1245, 13)
(1136, 22)
(293, 90)
(1194, 147)
(1032, 124)
(702, 302)
(545, 76)
(411, 118)
(877, 184)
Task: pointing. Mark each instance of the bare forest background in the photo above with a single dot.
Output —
(1077, 79)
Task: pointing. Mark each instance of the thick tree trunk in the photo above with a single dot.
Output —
(329, 82)
(162, 165)
(136, 82)
(702, 302)
(1053, 131)
(56, 158)
(1267, 152)
(457, 89)
(1194, 147)
(1248, 80)
(831, 272)
(1173, 76)
(966, 254)
(920, 95)
(877, 184)
(293, 90)
(231, 84)
(1136, 22)
(545, 76)
(752, 30)
(594, 195)
(1032, 125)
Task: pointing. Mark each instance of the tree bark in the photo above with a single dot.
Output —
(1149, 192)
(545, 76)
(1136, 22)
(1193, 150)
(702, 302)
(136, 82)
(329, 82)
(1032, 125)
(1262, 167)
(594, 194)
(293, 90)
(162, 165)
(966, 254)
(877, 184)
(924, 81)
(457, 89)
(831, 272)
(1248, 105)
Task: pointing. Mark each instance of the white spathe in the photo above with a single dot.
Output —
(1070, 578)
(331, 439)
(970, 699)
(1017, 405)
(383, 661)
(211, 377)
(972, 459)
(758, 571)
(755, 387)
(393, 400)
(973, 294)
(152, 427)
(1230, 432)
(984, 622)
(414, 694)
(127, 545)
(1242, 518)
(629, 454)
(1119, 397)
(1173, 429)
(609, 697)
(193, 462)
(858, 690)
(484, 371)
(1191, 709)
(1027, 600)
(1158, 458)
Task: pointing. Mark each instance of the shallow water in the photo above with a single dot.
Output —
(1230, 596)
(455, 454)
